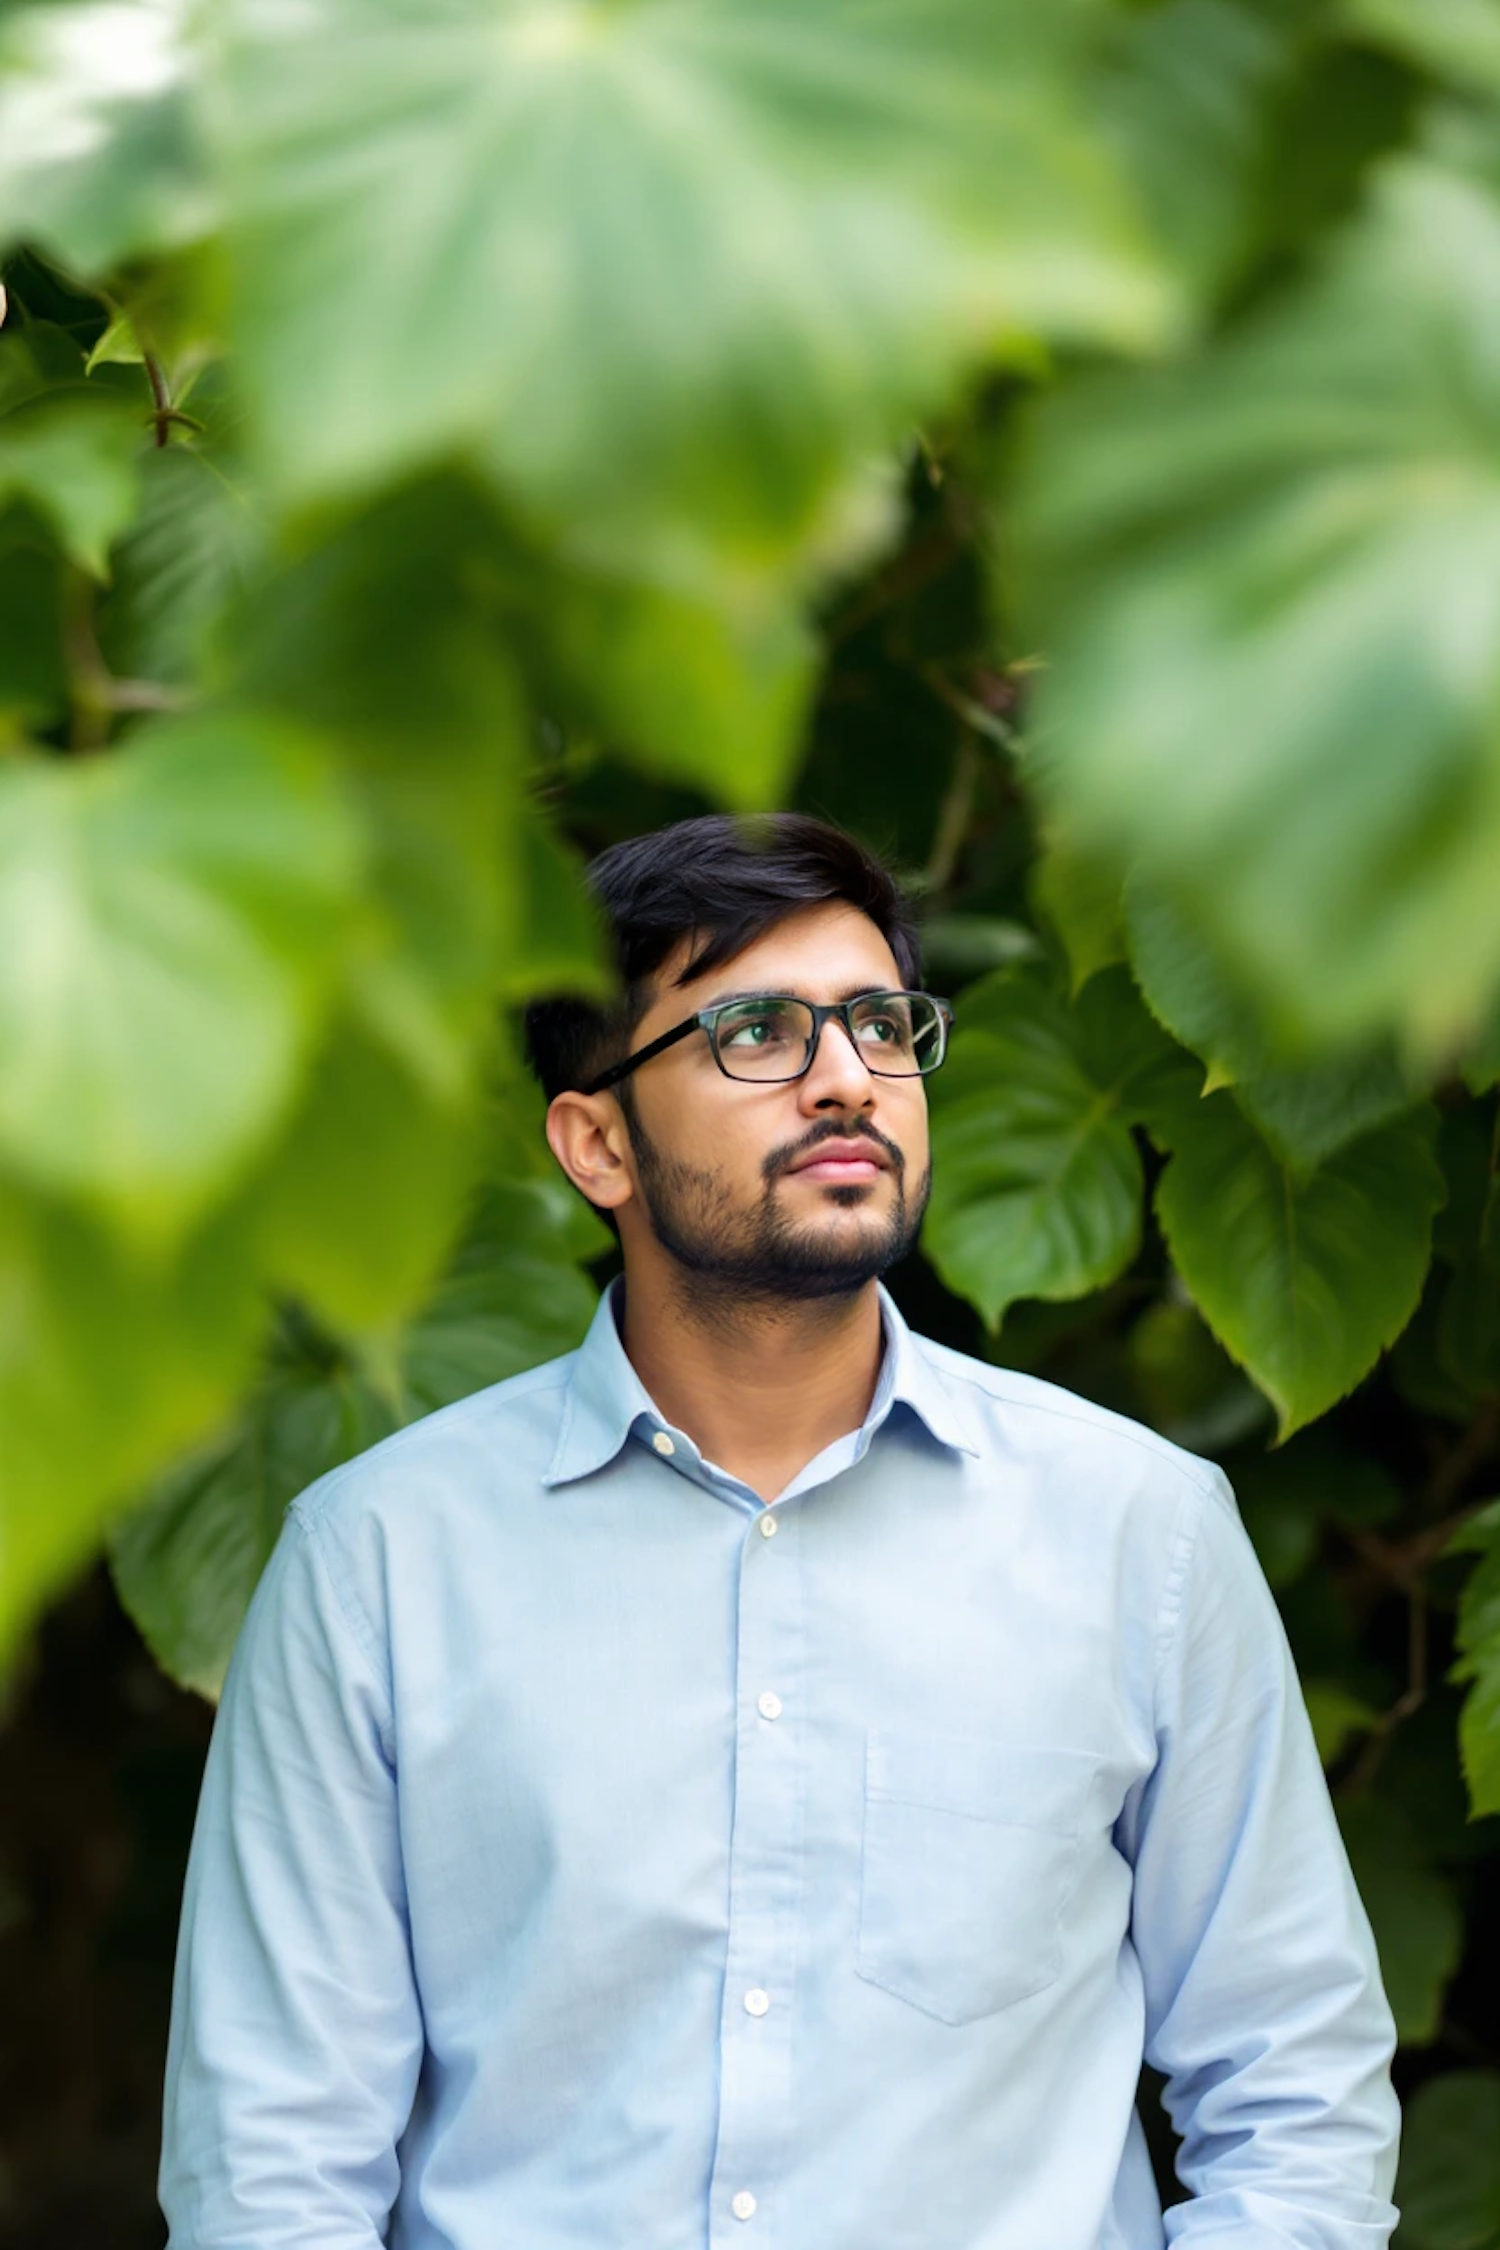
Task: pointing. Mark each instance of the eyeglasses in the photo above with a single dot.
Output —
(773, 1038)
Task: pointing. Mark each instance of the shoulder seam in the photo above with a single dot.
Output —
(1159, 1448)
(350, 1609)
(323, 1489)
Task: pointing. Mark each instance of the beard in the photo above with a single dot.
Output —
(730, 1254)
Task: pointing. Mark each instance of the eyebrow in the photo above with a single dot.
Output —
(778, 992)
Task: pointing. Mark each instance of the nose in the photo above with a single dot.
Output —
(837, 1078)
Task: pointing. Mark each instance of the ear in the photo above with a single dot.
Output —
(587, 1134)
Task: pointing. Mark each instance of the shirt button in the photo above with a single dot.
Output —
(663, 1443)
(756, 2001)
(769, 1705)
(743, 2205)
(768, 1525)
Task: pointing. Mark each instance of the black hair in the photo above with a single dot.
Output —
(718, 883)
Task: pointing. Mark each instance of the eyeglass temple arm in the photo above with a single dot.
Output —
(619, 1070)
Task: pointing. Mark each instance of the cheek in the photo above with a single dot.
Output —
(709, 1126)
(906, 1124)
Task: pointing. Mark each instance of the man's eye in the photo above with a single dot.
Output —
(753, 1031)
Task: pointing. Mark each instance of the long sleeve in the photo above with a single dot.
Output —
(296, 2033)
(1264, 2007)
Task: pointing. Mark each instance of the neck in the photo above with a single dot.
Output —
(760, 1388)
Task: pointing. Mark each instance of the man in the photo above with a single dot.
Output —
(766, 1778)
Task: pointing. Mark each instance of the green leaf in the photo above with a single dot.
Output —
(97, 156)
(119, 346)
(1414, 1913)
(1419, 1363)
(33, 666)
(108, 1364)
(1458, 39)
(1304, 1280)
(386, 637)
(1448, 2186)
(1188, 98)
(1291, 551)
(711, 693)
(1482, 1064)
(186, 556)
(557, 940)
(1336, 1715)
(170, 918)
(71, 459)
(1187, 990)
(1306, 1110)
(1037, 1181)
(678, 270)
(411, 1157)
(1079, 897)
(187, 1561)
(956, 947)
(1308, 1115)
(1478, 1640)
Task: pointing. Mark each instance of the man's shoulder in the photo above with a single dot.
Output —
(1014, 1413)
(506, 1432)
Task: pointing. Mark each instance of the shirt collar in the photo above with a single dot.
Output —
(604, 1397)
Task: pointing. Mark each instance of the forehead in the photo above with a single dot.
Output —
(821, 952)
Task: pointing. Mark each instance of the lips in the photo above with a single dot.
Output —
(843, 1163)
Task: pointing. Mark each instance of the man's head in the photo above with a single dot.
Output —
(752, 1189)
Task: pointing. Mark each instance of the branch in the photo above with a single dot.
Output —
(164, 413)
(1411, 1698)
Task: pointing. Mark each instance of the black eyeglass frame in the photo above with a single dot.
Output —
(823, 1012)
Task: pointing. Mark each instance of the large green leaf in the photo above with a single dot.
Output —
(108, 1364)
(367, 1136)
(170, 918)
(1457, 39)
(1270, 585)
(1037, 1180)
(187, 554)
(1304, 1279)
(385, 636)
(389, 636)
(97, 157)
(705, 691)
(1414, 1913)
(187, 1561)
(1478, 1638)
(71, 459)
(1189, 97)
(676, 269)
(1079, 898)
(1305, 1110)
(1448, 2186)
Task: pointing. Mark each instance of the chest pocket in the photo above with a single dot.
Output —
(970, 1857)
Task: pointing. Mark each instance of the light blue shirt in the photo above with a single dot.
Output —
(591, 1857)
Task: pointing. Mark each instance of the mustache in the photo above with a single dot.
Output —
(782, 1159)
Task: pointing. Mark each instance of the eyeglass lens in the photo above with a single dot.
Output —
(898, 1035)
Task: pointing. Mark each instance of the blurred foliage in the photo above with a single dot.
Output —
(436, 440)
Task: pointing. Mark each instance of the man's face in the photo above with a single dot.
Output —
(792, 1191)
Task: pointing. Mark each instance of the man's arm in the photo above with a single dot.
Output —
(296, 2032)
(1264, 2007)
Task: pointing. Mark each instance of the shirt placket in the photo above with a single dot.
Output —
(765, 1886)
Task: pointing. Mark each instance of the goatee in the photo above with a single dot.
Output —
(758, 1255)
